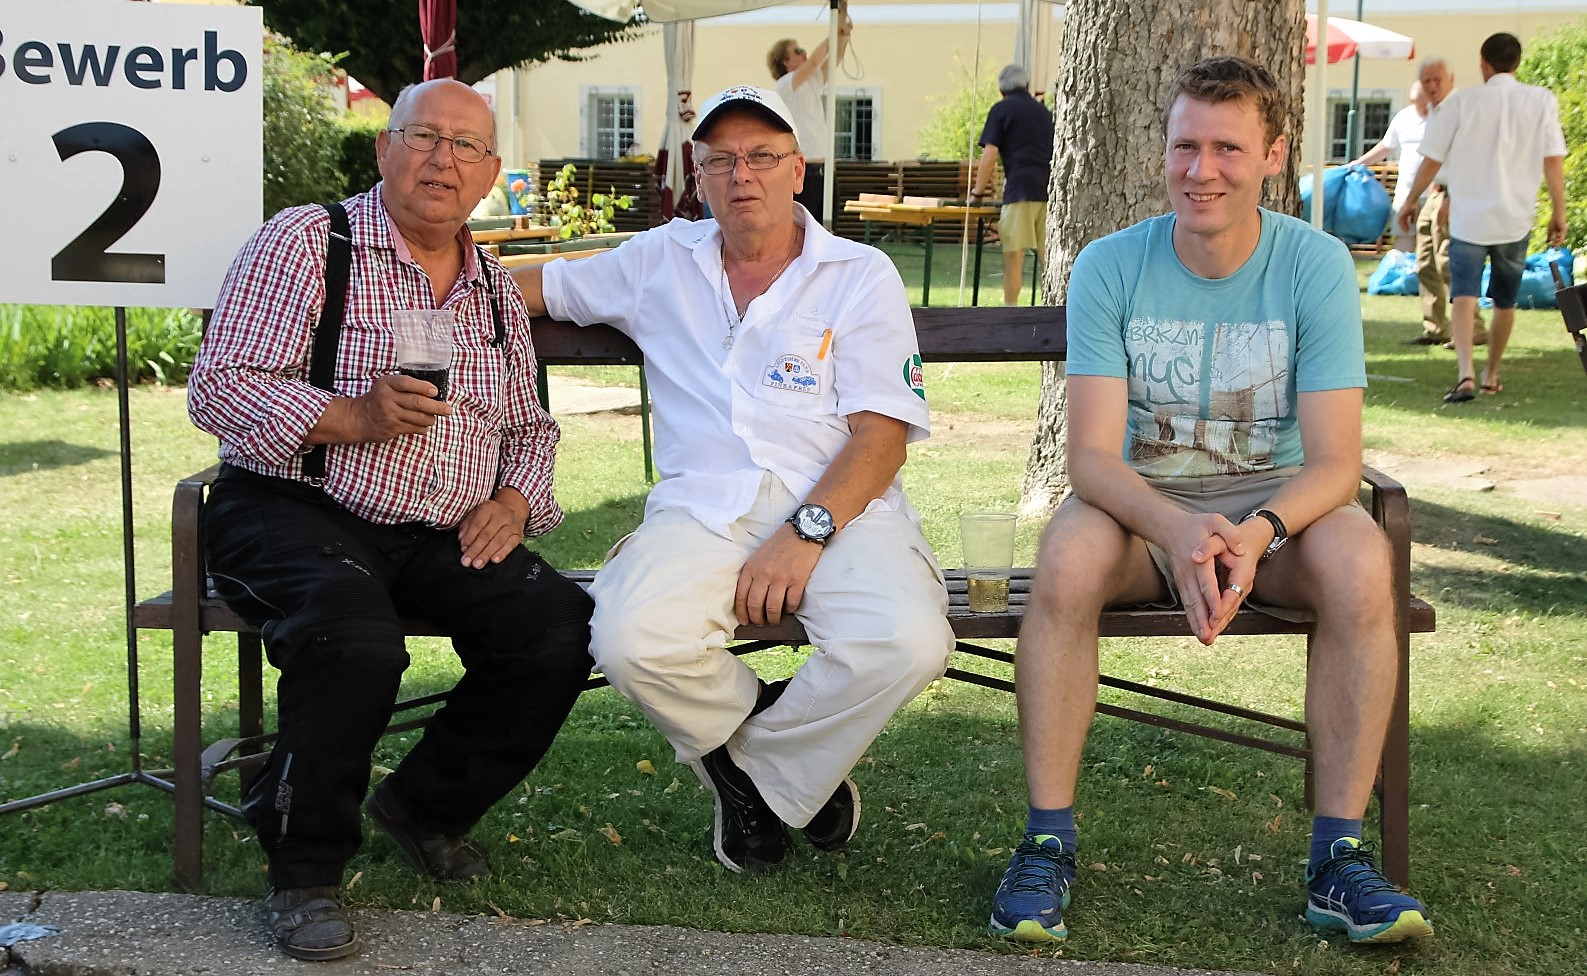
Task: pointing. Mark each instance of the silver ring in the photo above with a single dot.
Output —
(1238, 590)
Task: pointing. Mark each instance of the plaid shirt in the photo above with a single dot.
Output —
(250, 388)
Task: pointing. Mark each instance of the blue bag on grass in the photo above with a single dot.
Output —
(1355, 205)
(1394, 275)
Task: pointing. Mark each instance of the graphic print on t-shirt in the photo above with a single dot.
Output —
(1200, 408)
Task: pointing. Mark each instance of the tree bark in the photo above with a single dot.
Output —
(1120, 59)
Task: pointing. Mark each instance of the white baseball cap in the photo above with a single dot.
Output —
(763, 101)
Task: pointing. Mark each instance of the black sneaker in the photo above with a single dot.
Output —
(837, 820)
(748, 833)
(308, 923)
(441, 856)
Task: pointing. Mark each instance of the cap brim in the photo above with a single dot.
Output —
(702, 128)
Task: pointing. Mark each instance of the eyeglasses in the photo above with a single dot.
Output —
(720, 164)
(797, 50)
(422, 138)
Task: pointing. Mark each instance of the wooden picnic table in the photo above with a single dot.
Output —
(502, 235)
(911, 215)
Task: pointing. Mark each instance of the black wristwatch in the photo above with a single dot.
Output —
(1280, 534)
(812, 523)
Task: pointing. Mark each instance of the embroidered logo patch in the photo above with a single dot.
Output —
(790, 372)
(915, 376)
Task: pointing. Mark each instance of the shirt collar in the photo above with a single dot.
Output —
(372, 226)
(704, 238)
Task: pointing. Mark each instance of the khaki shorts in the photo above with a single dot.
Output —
(1023, 226)
(1233, 496)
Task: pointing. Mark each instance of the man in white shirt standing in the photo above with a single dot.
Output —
(786, 381)
(1496, 145)
(1405, 134)
(801, 81)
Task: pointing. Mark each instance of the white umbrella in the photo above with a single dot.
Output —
(1345, 39)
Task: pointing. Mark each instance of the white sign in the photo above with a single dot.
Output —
(130, 149)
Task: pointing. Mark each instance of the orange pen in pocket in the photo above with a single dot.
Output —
(826, 345)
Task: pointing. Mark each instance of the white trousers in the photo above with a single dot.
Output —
(875, 610)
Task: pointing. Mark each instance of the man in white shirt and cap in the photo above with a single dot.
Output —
(786, 381)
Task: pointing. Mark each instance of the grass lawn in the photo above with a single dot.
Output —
(1192, 851)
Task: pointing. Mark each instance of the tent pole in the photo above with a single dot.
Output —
(1320, 116)
(830, 167)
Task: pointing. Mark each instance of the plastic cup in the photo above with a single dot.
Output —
(424, 344)
(988, 541)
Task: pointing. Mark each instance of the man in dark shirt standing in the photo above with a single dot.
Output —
(1018, 129)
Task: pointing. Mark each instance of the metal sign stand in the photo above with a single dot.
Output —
(137, 774)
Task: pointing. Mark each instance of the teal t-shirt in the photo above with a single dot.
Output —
(1214, 365)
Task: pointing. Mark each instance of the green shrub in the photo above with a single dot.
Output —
(61, 346)
(1558, 61)
(359, 169)
(302, 144)
(575, 219)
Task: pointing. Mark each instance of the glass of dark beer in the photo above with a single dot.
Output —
(424, 345)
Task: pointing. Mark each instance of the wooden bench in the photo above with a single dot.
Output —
(190, 610)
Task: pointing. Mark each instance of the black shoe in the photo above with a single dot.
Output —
(837, 820)
(441, 856)
(747, 832)
(308, 923)
(1425, 339)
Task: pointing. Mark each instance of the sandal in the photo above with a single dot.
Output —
(1462, 391)
(1492, 389)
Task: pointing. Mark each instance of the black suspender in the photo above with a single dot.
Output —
(328, 334)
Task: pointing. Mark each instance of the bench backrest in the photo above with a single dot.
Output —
(947, 335)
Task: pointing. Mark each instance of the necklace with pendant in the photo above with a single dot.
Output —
(729, 310)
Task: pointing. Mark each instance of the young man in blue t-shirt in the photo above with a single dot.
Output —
(1215, 378)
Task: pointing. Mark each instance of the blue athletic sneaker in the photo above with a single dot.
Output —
(1029, 903)
(1347, 894)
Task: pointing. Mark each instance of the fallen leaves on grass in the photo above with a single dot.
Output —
(16, 747)
(611, 834)
(1226, 794)
(646, 766)
(116, 810)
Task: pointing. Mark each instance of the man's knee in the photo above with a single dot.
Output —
(1347, 566)
(345, 620)
(1082, 551)
(631, 646)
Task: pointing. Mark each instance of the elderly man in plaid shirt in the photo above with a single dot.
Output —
(416, 507)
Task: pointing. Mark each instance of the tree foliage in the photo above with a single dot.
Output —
(383, 49)
(1558, 61)
(302, 144)
(955, 126)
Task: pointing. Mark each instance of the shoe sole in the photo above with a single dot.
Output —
(1409, 925)
(1028, 930)
(321, 955)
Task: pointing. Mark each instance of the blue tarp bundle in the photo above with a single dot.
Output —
(1355, 204)
(1394, 275)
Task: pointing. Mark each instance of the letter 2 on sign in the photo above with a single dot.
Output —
(88, 256)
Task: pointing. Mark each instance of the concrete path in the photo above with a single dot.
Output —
(121, 933)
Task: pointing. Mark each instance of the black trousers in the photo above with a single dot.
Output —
(327, 589)
(815, 190)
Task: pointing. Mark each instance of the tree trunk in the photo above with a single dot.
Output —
(1120, 59)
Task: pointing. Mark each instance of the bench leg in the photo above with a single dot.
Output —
(1394, 791)
(187, 754)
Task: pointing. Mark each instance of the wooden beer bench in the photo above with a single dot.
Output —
(190, 609)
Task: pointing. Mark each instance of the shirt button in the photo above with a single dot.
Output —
(741, 429)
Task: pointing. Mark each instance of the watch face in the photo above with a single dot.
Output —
(813, 521)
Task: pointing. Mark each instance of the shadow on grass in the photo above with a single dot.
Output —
(585, 535)
(1555, 584)
(22, 457)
